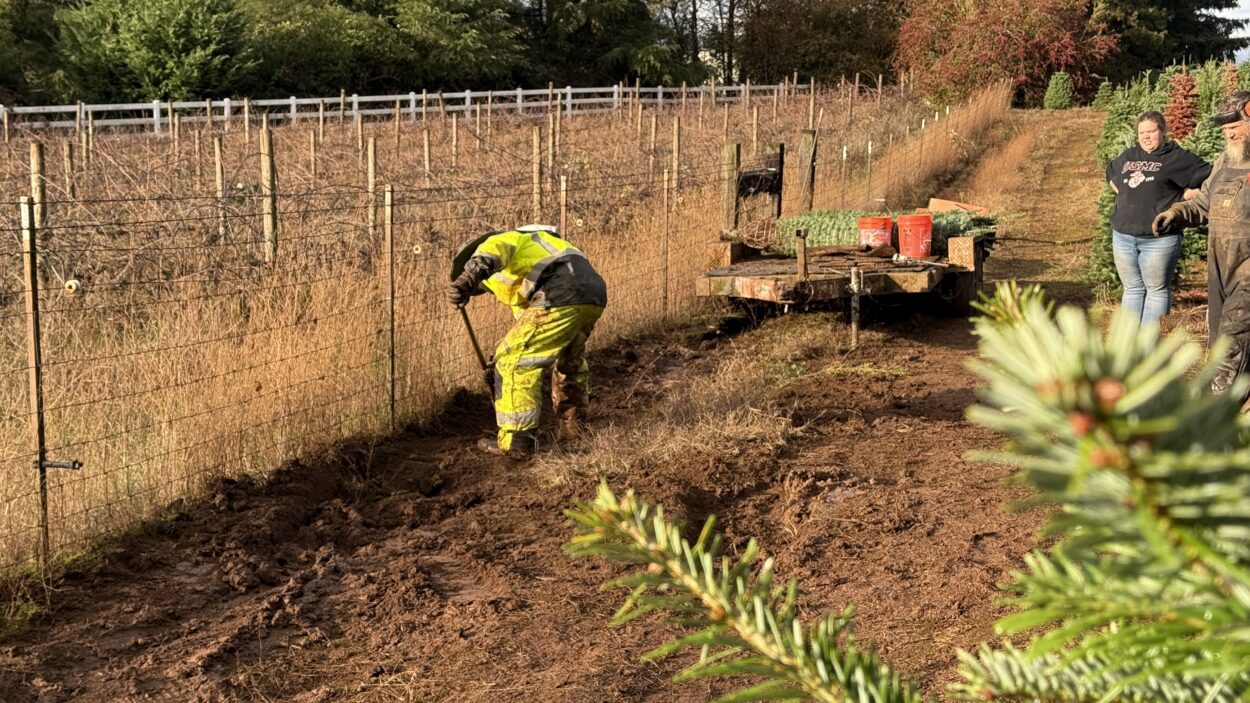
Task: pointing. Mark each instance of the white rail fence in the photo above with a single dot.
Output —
(158, 115)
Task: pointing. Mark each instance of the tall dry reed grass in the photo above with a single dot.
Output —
(183, 357)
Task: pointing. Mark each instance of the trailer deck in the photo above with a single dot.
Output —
(826, 273)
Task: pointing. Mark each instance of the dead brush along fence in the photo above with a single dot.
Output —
(183, 338)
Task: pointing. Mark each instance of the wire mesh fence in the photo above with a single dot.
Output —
(185, 339)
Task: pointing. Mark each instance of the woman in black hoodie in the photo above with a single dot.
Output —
(1148, 178)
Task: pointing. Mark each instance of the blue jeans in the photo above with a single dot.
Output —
(1146, 266)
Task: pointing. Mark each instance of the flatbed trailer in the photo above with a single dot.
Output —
(832, 273)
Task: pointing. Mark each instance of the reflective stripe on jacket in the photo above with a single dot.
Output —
(536, 268)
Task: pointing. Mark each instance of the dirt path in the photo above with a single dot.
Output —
(416, 570)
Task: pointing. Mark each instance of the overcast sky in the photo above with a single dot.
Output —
(1242, 11)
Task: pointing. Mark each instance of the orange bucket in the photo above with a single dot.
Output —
(875, 231)
(915, 236)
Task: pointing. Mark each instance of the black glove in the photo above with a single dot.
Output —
(460, 291)
(468, 283)
(1163, 222)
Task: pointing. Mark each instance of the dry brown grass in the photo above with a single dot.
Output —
(732, 408)
(183, 358)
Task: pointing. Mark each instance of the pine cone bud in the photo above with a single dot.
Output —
(1107, 392)
(1082, 423)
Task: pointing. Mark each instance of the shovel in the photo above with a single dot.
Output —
(477, 349)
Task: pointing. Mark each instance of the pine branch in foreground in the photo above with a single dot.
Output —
(1146, 594)
(743, 624)
(1008, 674)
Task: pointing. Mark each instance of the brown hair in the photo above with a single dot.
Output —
(1156, 117)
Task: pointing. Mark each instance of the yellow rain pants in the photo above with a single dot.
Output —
(542, 338)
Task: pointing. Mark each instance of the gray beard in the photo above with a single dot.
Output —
(1238, 156)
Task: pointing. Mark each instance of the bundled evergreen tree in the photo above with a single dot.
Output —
(1143, 595)
(1181, 112)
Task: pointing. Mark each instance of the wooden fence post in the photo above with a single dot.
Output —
(755, 131)
(842, 178)
(360, 137)
(269, 196)
(655, 120)
(730, 166)
(67, 166)
(490, 112)
(811, 106)
(38, 184)
(807, 170)
(247, 121)
(219, 174)
(396, 125)
(199, 153)
(676, 166)
(312, 153)
(536, 174)
(455, 140)
(477, 127)
(371, 185)
(34, 361)
(551, 142)
(425, 145)
(388, 251)
(564, 205)
(321, 120)
(664, 235)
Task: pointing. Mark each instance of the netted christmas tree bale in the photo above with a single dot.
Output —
(841, 228)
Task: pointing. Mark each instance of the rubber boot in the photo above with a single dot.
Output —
(523, 446)
(570, 428)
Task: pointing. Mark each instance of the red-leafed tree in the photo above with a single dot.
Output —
(1181, 112)
(955, 48)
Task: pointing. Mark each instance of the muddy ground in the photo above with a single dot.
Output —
(415, 569)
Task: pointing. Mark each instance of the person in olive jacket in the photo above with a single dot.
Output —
(1223, 203)
(1148, 178)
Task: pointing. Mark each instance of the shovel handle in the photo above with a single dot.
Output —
(464, 315)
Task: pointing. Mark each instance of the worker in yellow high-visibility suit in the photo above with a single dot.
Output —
(556, 297)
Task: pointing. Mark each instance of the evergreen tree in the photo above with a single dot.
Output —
(1158, 32)
(317, 47)
(1058, 92)
(824, 38)
(463, 43)
(125, 50)
(596, 42)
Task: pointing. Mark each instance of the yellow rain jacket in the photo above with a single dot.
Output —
(534, 268)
